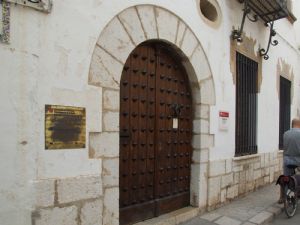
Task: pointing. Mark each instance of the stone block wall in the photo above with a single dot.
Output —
(87, 200)
(232, 178)
(71, 201)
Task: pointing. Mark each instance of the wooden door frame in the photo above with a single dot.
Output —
(162, 53)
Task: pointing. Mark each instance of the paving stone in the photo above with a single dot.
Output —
(254, 203)
(275, 210)
(255, 208)
(188, 214)
(224, 220)
(261, 217)
(165, 219)
(198, 221)
(211, 216)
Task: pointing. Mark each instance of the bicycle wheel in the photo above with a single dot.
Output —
(290, 201)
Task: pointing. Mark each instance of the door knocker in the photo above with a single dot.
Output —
(176, 110)
(176, 113)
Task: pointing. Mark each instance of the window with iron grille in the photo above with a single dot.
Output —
(246, 106)
(284, 108)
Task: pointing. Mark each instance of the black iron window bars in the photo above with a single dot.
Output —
(246, 106)
(284, 108)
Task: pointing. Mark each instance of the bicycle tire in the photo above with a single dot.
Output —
(290, 200)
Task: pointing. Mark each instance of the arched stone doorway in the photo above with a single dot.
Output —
(119, 38)
(155, 133)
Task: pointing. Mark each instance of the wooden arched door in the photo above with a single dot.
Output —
(155, 134)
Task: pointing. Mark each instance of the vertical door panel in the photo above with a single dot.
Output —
(174, 149)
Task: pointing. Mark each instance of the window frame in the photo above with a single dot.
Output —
(284, 120)
(246, 105)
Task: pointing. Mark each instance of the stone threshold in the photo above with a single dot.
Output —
(173, 218)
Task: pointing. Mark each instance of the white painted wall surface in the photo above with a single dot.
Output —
(296, 9)
(47, 62)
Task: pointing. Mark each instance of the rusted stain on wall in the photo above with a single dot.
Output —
(284, 70)
(247, 48)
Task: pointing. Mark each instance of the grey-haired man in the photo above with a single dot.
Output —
(291, 147)
(291, 150)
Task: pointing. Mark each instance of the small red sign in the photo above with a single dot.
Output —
(224, 114)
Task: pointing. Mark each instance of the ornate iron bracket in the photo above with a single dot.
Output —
(237, 34)
(262, 51)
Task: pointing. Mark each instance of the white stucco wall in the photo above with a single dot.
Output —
(296, 9)
(47, 62)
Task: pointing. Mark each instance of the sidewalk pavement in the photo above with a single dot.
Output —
(258, 207)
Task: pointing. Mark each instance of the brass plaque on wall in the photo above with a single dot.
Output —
(64, 127)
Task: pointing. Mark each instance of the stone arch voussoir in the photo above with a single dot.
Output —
(122, 34)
